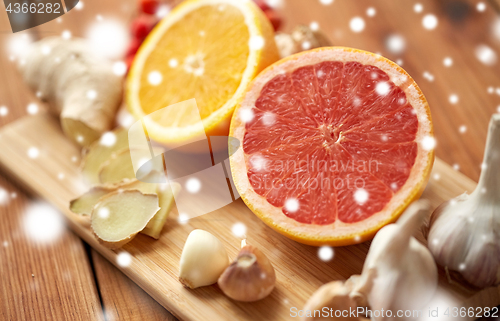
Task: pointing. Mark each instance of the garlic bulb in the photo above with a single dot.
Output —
(301, 38)
(464, 233)
(399, 272)
(203, 259)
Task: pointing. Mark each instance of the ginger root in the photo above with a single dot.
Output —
(79, 87)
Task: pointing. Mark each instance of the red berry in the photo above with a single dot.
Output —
(142, 26)
(262, 5)
(149, 6)
(133, 46)
(273, 18)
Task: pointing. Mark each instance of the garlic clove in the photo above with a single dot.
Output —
(250, 277)
(335, 296)
(203, 260)
(398, 264)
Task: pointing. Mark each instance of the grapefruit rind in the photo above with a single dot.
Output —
(338, 233)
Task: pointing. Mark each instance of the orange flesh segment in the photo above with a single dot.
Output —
(337, 137)
(202, 67)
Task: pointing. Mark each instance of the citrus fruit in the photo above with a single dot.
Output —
(336, 143)
(209, 50)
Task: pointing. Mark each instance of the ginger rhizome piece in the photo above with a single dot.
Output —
(78, 86)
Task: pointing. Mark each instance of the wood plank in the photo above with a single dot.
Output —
(42, 281)
(38, 282)
(155, 264)
(122, 299)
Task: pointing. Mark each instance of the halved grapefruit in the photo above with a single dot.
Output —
(336, 143)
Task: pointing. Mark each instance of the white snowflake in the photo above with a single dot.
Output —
(33, 152)
(256, 42)
(361, 196)
(66, 34)
(108, 139)
(108, 38)
(430, 21)
(486, 55)
(428, 143)
(193, 185)
(326, 2)
(91, 94)
(382, 88)
(427, 75)
(357, 24)
(42, 223)
(155, 78)
(173, 63)
(119, 68)
(183, 218)
(124, 259)
(325, 253)
(3, 111)
(4, 196)
(246, 115)
(396, 44)
(314, 26)
(239, 229)
(371, 12)
(292, 205)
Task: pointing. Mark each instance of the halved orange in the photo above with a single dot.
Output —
(209, 50)
(336, 143)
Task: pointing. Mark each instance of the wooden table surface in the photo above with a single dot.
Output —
(66, 280)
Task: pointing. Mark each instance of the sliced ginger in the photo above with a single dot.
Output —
(99, 152)
(84, 204)
(119, 216)
(166, 195)
(117, 168)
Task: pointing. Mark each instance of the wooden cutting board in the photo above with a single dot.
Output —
(155, 264)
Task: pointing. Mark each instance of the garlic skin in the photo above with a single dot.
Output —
(250, 277)
(399, 272)
(335, 295)
(203, 260)
(301, 38)
(464, 233)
